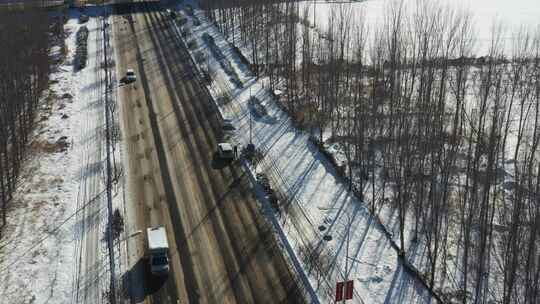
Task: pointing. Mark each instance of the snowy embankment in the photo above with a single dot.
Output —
(38, 251)
(332, 233)
(452, 280)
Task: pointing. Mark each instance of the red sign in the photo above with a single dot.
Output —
(349, 290)
(339, 291)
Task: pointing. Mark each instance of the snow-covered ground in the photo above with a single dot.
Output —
(511, 15)
(41, 254)
(332, 233)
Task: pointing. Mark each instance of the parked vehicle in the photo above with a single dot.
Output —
(227, 125)
(158, 250)
(225, 151)
(130, 75)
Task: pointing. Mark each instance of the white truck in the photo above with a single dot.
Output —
(158, 250)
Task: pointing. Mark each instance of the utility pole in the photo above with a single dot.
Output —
(112, 295)
(344, 290)
(347, 252)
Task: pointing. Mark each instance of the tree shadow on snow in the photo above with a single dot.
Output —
(404, 287)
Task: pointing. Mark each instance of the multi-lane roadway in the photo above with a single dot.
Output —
(222, 249)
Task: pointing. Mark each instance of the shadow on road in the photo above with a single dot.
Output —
(219, 163)
(140, 283)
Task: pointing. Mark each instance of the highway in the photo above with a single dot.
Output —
(222, 249)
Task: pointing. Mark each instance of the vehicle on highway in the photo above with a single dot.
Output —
(158, 250)
(225, 151)
(130, 75)
(227, 125)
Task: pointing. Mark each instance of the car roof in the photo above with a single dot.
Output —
(130, 71)
(225, 146)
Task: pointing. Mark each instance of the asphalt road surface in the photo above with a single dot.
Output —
(222, 250)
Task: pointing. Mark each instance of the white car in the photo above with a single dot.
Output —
(130, 75)
(225, 151)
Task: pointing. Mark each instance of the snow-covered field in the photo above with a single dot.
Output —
(511, 15)
(40, 248)
(321, 218)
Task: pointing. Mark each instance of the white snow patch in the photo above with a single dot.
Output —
(485, 14)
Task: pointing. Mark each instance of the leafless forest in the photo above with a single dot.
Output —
(25, 39)
(445, 138)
